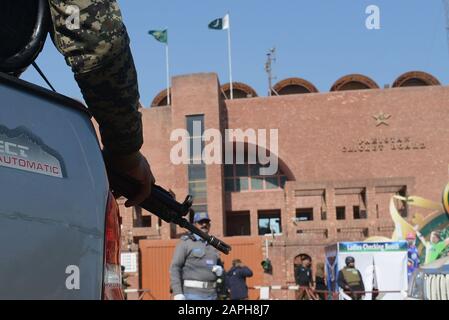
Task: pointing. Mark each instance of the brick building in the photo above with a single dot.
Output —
(342, 155)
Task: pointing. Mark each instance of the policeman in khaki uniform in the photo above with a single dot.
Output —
(350, 280)
(196, 265)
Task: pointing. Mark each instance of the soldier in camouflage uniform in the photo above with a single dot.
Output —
(100, 57)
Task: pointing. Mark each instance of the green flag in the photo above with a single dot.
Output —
(220, 24)
(159, 35)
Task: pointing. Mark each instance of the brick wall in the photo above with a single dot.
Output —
(331, 142)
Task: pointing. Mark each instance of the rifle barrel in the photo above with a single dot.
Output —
(162, 204)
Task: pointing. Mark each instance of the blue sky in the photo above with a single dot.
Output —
(319, 40)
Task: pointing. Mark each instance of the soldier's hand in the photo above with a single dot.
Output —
(135, 166)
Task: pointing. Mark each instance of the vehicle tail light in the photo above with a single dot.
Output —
(112, 282)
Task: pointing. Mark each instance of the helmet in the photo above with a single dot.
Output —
(411, 236)
(349, 260)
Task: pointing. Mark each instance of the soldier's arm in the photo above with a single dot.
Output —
(361, 281)
(178, 261)
(100, 57)
(341, 280)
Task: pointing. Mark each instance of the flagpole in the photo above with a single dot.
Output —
(168, 74)
(230, 56)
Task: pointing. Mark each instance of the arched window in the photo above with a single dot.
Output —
(248, 178)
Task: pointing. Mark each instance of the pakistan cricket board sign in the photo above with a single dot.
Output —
(21, 150)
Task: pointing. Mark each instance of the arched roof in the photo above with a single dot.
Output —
(294, 86)
(161, 99)
(241, 90)
(414, 79)
(354, 82)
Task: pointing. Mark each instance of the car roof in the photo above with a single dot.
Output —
(50, 95)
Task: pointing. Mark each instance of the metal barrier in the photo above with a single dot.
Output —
(308, 293)
(301, 293)
(142, 292)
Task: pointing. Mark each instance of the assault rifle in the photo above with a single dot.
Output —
(162, 204)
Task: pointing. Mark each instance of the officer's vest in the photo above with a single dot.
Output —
(352, 276)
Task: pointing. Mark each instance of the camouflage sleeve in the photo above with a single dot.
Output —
(100, 57)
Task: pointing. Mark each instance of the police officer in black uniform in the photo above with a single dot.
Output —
(304, 278)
